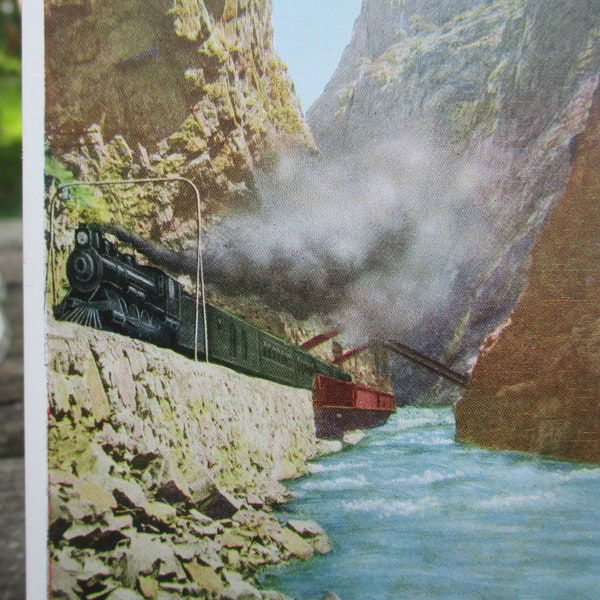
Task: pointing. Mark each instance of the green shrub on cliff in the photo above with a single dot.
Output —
(82, 202)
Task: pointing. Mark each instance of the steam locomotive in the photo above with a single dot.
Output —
(111, 291)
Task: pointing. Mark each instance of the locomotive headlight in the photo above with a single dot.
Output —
(82, 238)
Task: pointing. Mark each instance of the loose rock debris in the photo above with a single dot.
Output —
(105, 545)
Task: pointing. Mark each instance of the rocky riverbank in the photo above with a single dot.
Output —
(110, 543)
(163, 472)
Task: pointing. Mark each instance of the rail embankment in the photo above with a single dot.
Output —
(163, 471)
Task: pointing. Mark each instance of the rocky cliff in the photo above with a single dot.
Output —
(156, 89)
(485, 100)
(536, 383)
(160, 470)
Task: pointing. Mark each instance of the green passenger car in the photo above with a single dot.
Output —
(235, 342)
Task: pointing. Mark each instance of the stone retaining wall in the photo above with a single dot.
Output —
(129, 399)
(162, 471)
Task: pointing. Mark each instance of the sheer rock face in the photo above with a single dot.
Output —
(474, 69)
(193, 88)
(536, 384)
(507, 85)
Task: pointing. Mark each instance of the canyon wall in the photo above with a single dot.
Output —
(504, 87)
(150, 89)
(191, 87)
(536, 384)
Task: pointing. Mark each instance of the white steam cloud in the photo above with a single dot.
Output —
(379, 242)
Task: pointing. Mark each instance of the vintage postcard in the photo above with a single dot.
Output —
(318, 284)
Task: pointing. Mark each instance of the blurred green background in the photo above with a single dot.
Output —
(10, 109)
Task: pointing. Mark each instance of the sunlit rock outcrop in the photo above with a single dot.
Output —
(145, 89)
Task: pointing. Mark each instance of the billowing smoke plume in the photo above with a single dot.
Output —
(378, 242)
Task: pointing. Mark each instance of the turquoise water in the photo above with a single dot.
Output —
(412, 514)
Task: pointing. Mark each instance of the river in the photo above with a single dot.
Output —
(410, 513)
